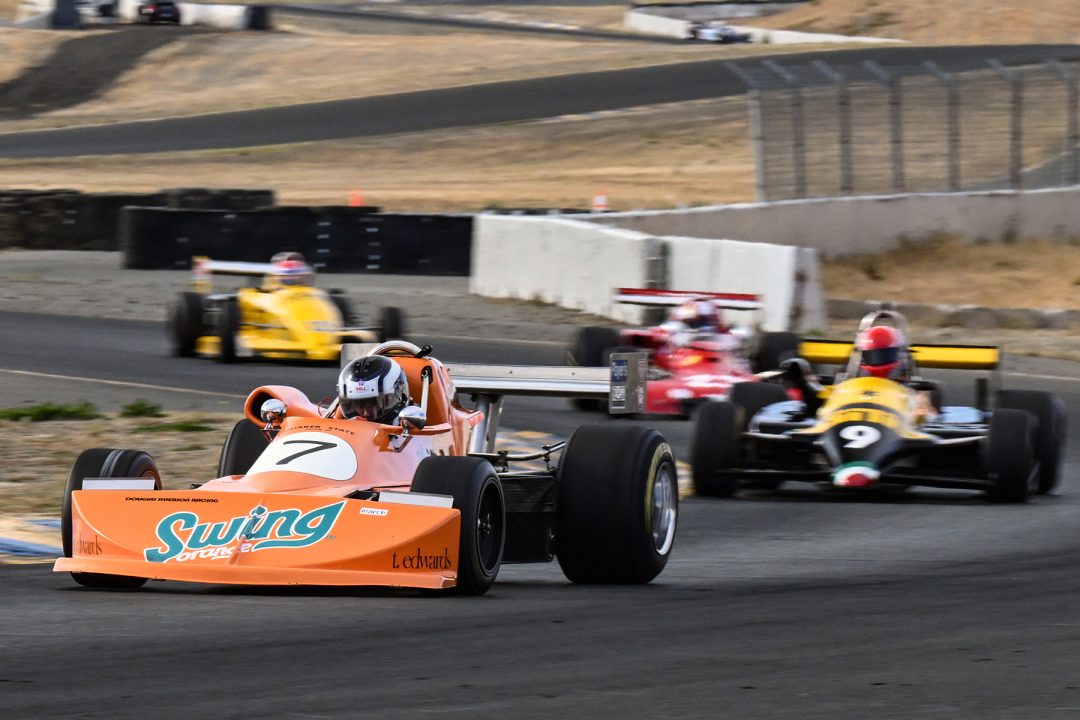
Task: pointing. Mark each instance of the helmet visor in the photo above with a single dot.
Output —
(880, 356)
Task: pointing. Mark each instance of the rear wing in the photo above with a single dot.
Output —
(650, 297)
(946, 357)
(203, 269)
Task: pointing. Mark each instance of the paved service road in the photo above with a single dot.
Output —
(489, 103)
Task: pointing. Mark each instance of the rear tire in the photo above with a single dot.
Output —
(1009, 456)
(714, 448)
(104, 463)
(241, 449)
(773, 349)
(1049, 413)
(392, 324)
(228, 327)
(185, 324)
(588, 350)
(618, 504)
(478, 494)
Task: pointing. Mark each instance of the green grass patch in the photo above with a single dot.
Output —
(51, 411)
(178, 426)
(142, 408)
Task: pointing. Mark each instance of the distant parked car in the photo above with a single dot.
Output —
(155, 11)
(717, 32)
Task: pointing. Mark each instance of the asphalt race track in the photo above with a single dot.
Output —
(794, 604)
(488, 103)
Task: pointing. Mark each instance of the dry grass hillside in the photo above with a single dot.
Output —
(932, 21)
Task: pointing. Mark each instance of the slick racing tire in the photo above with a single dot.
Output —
(1049, 413)
(774, 348)
(588, 350)
(478, 494)
(751, 397)
(241, 449)
(391, 324)
(714, 449)
(344, 307)
(1010, 457)
(228, 327)
(617, 506)
(103, 463)
(185, 324)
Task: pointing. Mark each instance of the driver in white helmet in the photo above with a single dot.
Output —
(373, 388)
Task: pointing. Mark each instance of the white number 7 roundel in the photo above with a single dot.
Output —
(312, 453)
(860, 436)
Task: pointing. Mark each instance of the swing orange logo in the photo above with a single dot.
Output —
(183, 537)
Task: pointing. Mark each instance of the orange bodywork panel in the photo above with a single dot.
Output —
(265, 539)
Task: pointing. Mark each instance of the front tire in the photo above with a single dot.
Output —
(478, 494)
(1009, 456)
(617, 507)
(714, 449)
(228, 327)
(241, 449)
(344, 308)
(1049, 413)
(103, 463)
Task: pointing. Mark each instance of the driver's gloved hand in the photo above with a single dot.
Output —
(796, 370)
(798, 374)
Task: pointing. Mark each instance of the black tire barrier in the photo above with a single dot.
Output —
(333, 239)
(71, 220)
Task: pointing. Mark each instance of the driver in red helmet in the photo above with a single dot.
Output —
(883, 353)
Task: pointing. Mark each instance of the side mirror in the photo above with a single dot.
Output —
(272, 411)
(412, 418)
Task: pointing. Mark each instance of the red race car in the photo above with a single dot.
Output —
(694, 356)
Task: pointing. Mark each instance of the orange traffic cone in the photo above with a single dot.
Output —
(356, 198)
(600, 201)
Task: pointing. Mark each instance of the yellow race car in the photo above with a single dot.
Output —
(284, 318)
(868, 431)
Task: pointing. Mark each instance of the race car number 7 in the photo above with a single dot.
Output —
(319, 445)
(860, 436)
(311, 453)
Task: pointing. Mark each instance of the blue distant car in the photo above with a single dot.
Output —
(716, 32)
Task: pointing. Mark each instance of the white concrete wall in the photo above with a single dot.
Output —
(225, 17)
(579, 265)
(854, 225)
(651, 24)
(564, 262)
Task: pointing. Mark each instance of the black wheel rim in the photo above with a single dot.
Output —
(489, 529)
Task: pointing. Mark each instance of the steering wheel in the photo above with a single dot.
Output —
(396, 347)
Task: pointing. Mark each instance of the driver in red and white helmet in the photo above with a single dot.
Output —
(883, 353)
(697, 315)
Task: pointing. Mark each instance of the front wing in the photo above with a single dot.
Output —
(261, 539)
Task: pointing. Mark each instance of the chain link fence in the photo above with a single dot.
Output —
(821, 131)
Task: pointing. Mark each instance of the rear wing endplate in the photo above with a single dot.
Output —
(650, 297)
(946, 357)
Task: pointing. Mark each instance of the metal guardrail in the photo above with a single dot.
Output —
(820, 131)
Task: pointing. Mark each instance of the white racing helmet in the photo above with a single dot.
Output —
(372, 388)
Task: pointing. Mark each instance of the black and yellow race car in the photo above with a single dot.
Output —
(864, 432)
(284, 318)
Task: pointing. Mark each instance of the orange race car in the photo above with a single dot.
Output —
(375, 489)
